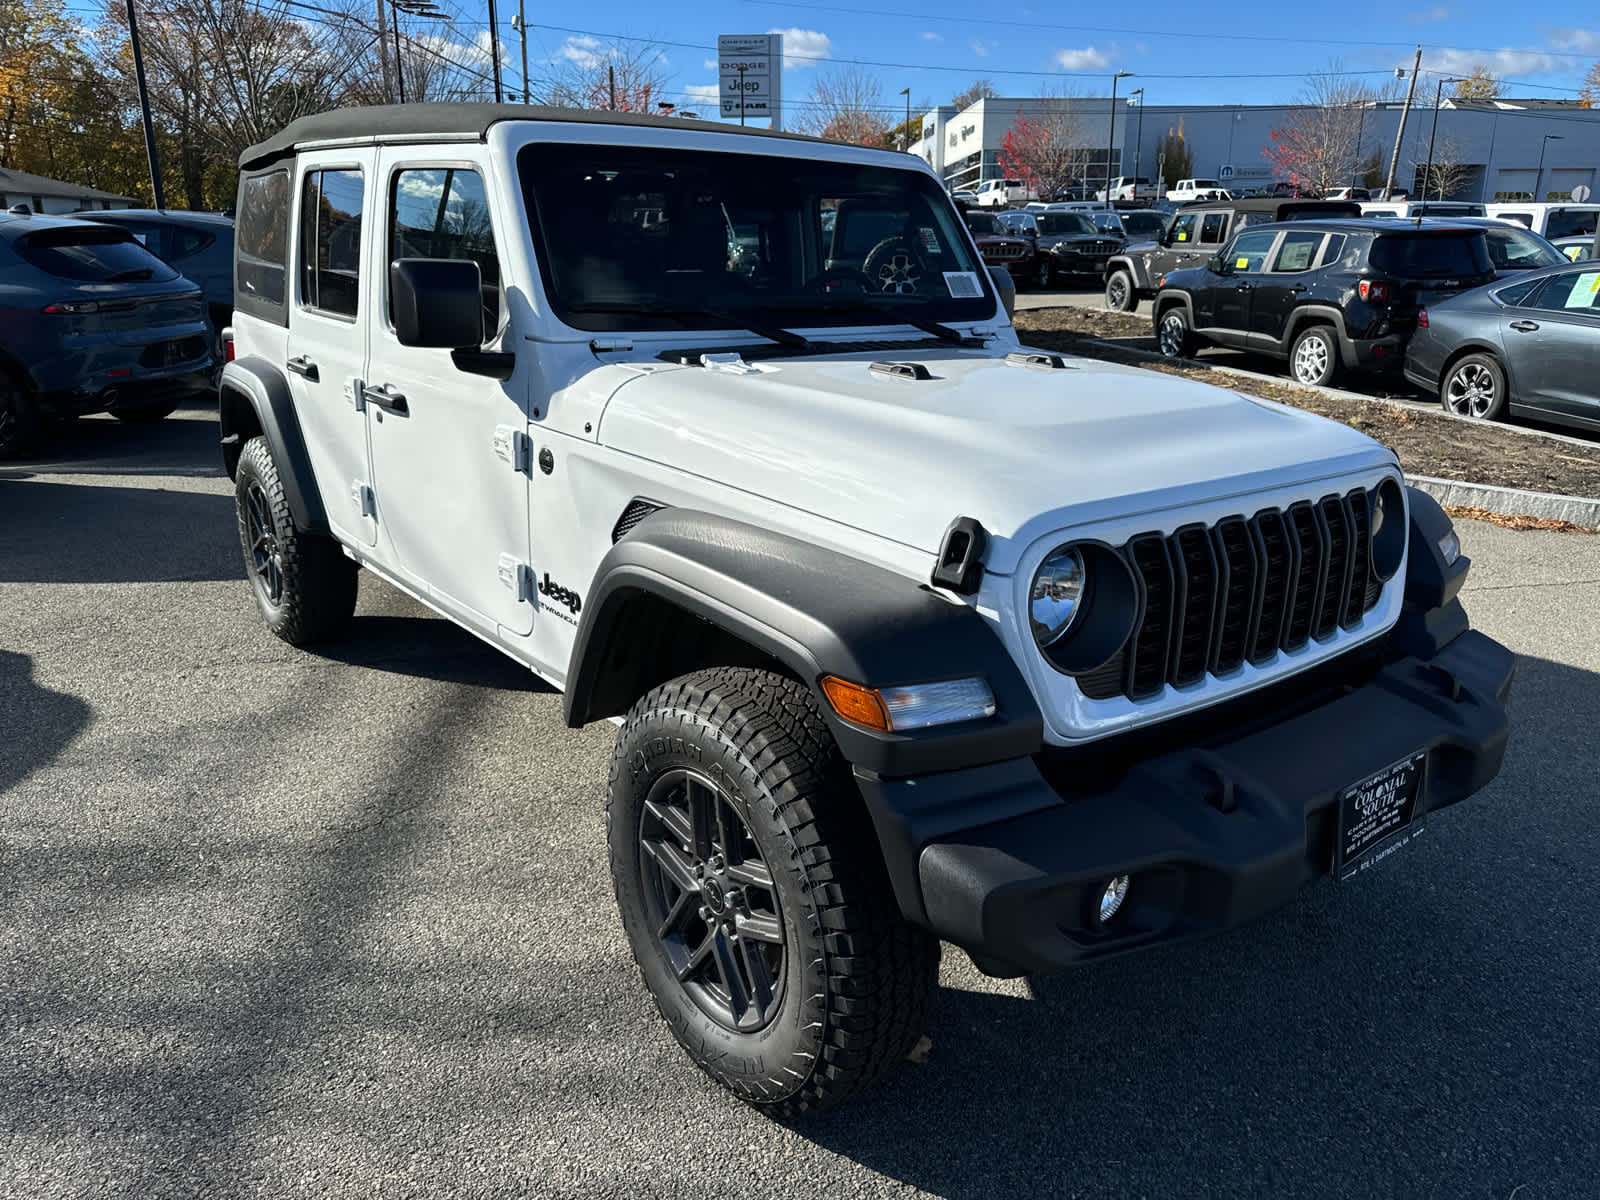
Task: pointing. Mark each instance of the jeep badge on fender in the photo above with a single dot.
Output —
(1126, 675)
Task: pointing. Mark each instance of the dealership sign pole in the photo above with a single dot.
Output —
(750, 76)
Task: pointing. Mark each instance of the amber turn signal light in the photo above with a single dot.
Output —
(856, 703)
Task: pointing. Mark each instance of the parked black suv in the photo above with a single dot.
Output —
(1195, 234)
(1326, 295)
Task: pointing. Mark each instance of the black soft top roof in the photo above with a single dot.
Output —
(1277, 204)
(438, 122)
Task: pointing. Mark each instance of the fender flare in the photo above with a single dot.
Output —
(255, 382)
(816, 612)
(1320, 314)
(1168, 298)
(1136, 268)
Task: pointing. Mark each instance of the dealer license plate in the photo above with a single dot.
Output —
(1379, 816)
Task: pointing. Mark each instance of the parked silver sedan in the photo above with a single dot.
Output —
(1522, 345)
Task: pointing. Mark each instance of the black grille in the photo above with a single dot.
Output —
(636, 511)
(1242, 589)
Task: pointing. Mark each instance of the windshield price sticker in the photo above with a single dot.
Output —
(1376, 816)
(1241, 264)
(963, 285)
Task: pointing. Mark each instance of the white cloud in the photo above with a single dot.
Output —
(1087, 59)
(928, 35)
(710, 64)
(804, 47)
(980, 49)
(585, 52)
(1429, 17)
(1499, 62)
(703, 95)
(474, 57)
(1573, 41)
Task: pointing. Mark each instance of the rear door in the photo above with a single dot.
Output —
(327, 340)
(451, 455)
(1283, 285)
(1553, 343)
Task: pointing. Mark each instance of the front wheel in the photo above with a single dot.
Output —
(1120, 295)
(1475, 387)
(754, 901)
(1173, 335)
(304, 585)
(1314, 357)
(1044, 271)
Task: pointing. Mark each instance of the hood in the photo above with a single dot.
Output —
(987, 240)
(1024, 451)
(1078, 239)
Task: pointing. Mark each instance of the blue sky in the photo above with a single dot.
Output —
(1180, 53)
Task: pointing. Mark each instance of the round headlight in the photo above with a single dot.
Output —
(1056, 595)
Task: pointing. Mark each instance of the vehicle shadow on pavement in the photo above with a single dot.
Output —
(425, 647)
(57, 532)
(39, 723)
(1426, 1031)
(185, 443)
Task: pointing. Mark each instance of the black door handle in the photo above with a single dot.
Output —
(1244, 287)
(385, 399)
(1299, 287)
(303, 366)
(1524, 326)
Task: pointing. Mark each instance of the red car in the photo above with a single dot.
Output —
(1001, 247)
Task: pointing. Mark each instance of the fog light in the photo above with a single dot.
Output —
(1111, 899)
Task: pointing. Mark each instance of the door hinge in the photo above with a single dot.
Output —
(353, 389)
(366, 500)
(515, 447)
(518, 576)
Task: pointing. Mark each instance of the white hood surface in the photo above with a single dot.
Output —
(1025, 451)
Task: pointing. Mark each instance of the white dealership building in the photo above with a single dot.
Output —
(1507, 149)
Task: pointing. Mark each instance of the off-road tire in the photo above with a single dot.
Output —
(314, 593)
(1174, 337)
(1121, 295)
(148, 414)
(1475, 387)
(19, 418)
(1314, 356)
(855, 978)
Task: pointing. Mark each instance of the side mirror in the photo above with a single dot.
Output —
(436, 302)
(1218, 265)
(1007, 287)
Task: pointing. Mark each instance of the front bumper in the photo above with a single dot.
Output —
(1212, 834)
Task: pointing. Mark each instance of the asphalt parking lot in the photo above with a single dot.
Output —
(280, 924)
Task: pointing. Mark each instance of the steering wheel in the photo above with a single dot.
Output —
(821, 280)
(894, 268)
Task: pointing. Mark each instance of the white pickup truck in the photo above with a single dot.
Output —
(1197, 189)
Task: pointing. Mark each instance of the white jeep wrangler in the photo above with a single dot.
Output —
(912, 634)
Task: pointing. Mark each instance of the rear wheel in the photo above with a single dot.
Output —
(1173, 335)
(753, 897)
(1120, 296)
(1475, 387)
(19, 419)
(1314, 357)
(304, 585)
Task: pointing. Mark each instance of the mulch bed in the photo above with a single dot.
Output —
(1427, 443)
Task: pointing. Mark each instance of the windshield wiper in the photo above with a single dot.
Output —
(943, 332)
(772, 333)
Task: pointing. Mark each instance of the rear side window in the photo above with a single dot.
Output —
(261, 246)
(1570, 222)
(330, 242)
(92, 254)
(1575, 291)
(1298, 252)
(1411, 256)
(1214, 228)
(1334, 248)
(1517, 292)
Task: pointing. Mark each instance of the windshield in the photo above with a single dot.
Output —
(1516, 250)
(984, 224)
(1054, 223)
(1144, 224)
(648, 238)
(1569, 222)
(92, 254)
(1431, 256)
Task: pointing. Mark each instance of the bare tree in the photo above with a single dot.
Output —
(981, 89)
(1447, 174)
(601, 76)
(845, 105)
(1319, 147)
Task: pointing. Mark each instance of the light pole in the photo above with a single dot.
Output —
(1539, 175)
(1111, 136)
(1427, 175)
(1138, 138)
(1355, 162)
(520, 24)
(494, 52)
(906, 92)
(156, 193)
(415, 8)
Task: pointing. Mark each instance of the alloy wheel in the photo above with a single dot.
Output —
(1173, 332)
(711, 898)
(1311, 360)
(1470, 391)
(266, 555)
(898, 275)
(1117, 293)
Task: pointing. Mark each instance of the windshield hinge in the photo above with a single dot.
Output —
(986, 331)
(610, 345)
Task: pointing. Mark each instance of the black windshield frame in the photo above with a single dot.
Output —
(610, 262)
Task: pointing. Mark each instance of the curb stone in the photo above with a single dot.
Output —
(1511, 502)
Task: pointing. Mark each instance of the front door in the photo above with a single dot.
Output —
(1245, 262)
(450, 450)
(327, 340)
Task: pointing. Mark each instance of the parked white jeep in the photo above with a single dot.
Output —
(913, 634)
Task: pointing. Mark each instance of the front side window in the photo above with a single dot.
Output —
(644, 238)
(444, 213)
(1298, 252)
(1249, 251)
(330, 241)
(1183, 229)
